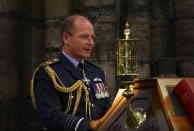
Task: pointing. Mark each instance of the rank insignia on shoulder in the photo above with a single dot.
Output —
(97, 79)
(51, 61)
(100, 90)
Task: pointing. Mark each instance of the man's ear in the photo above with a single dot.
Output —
(65, 38)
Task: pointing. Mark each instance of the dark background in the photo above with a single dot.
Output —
(29, 35)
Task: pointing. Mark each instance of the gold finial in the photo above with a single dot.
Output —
(127, 31)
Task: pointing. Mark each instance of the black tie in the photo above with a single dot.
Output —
(80, 67)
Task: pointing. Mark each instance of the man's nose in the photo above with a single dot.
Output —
(90, 40)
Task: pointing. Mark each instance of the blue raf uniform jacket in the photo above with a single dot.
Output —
(51, 103)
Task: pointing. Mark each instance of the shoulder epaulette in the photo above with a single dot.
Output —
(94, 64)
(49, 62)
(44, 64)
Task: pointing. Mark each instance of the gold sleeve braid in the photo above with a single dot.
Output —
(79, 85)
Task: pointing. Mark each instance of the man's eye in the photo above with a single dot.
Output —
(85, 37)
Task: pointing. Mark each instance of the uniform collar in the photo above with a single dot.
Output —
(69, 66)
(71, 59)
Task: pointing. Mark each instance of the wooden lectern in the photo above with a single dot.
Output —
(150, 94)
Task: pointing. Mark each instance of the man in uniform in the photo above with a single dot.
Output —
(69, 92)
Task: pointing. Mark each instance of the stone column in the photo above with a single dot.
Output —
(184, 32)
(9, 67)
(162, 38)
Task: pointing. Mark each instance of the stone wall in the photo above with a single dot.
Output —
(29, 32)
(9, 67)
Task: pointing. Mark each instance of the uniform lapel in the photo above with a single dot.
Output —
(89, 72)
(68, 66)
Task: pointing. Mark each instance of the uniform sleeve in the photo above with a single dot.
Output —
(49, 107)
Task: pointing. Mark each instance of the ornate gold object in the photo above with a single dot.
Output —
(126, 72)
(126, 54)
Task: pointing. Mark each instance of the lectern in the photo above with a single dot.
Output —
(152, 95)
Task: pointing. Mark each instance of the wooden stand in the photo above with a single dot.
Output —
(160, 113)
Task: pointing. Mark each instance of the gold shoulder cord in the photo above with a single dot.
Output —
(79, 85)
(32, 88)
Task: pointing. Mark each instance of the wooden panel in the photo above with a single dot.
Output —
(115, 118)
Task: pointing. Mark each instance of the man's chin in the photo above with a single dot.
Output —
(86, 56)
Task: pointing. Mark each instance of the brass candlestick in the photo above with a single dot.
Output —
(127, 71)
(135, 117)
(126, 54)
